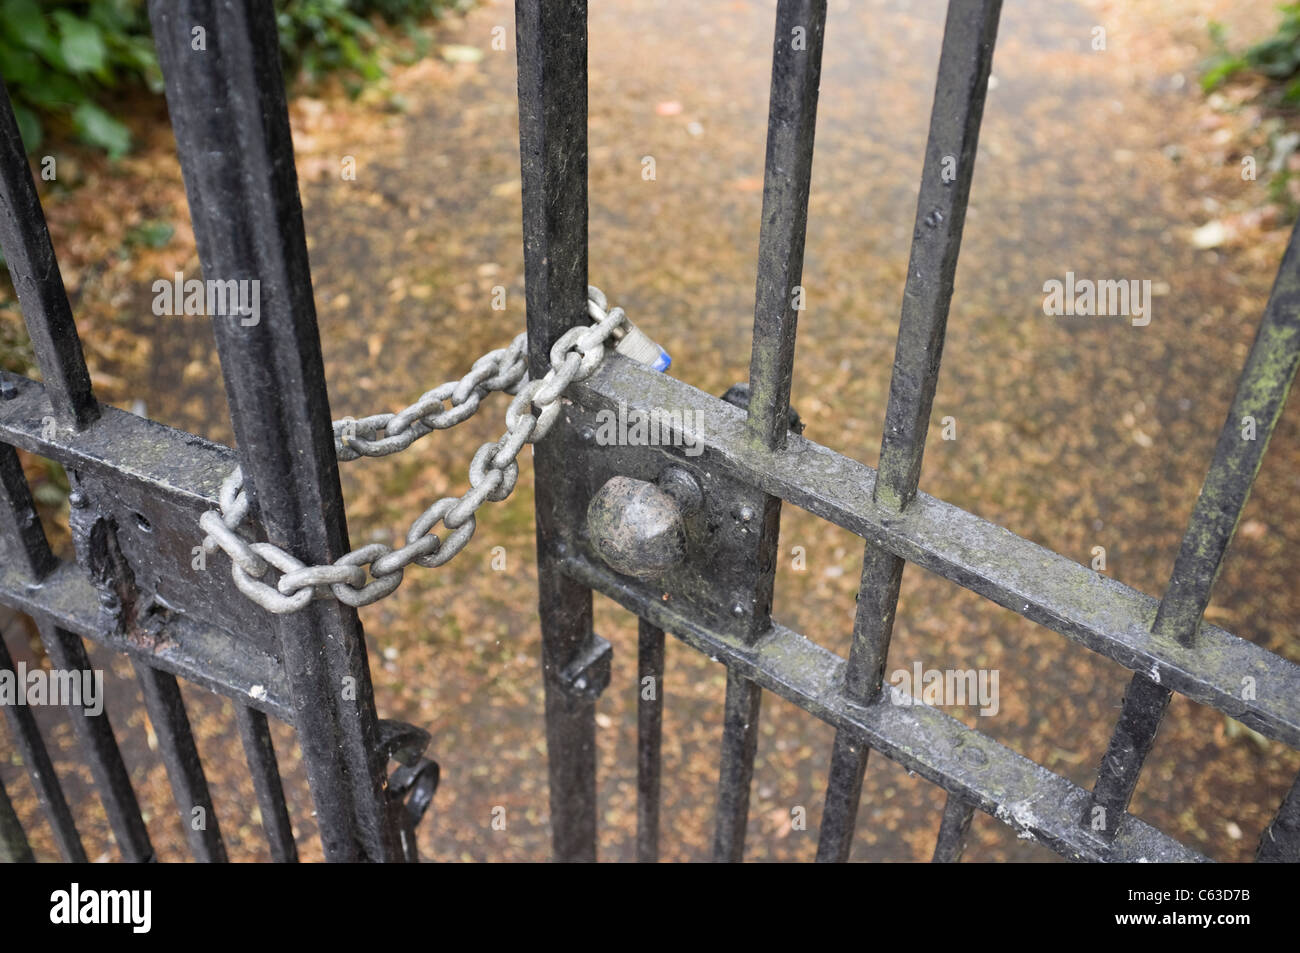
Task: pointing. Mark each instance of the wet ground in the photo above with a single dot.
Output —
(1073, 432)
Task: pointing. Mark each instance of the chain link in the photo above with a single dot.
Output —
(493, 471)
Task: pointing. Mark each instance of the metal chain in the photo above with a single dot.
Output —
(493, 471)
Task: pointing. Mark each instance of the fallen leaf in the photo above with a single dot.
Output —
(1210, 235)
(459, 53)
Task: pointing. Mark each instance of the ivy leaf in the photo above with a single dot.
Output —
(81, 43)
(100, 129)
(55, 91)
(19, 67)
(29, 126)
(24, 22)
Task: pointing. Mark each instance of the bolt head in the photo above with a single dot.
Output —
(636, 527)
(682, 486)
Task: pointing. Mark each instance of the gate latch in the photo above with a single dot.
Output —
(412, 785)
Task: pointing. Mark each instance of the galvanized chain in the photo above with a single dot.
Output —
(493, 470)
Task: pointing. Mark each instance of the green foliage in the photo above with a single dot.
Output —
(151, 234)
(402, 11)
(1277, 57)
(61, 59)
(328, 36)
(59, 63)
(323, 36)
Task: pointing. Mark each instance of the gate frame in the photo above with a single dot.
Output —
(139, 488)
(1164, 643)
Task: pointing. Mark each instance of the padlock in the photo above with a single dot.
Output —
(636, 344)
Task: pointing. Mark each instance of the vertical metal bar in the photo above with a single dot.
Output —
(23, 538)
(551, 38)
(1256, 407)
(791, 122)
(787, 178)
(260, 751)
(843, 792)
(14, 848)
(649, 738)
(965, 60)
(228, 110)
(95, 735)
(957, 815)
(166, 708)
(1145, 703)
(29, 254)
(739, 744)
(45, 781)
(1280, 842)
(960, 90)
(21, 534)
(1261, 395)
(873, 624)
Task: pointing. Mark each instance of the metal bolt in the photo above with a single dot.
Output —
(636, 527)
(77, 499)
(8, 390)
(738, 610)
(682, 486)
(746, 514)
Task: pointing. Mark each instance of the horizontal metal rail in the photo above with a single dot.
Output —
(198, 653)
(1099, 612)
(214, 639)
(938, 747)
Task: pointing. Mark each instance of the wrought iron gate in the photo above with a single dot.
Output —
(717, 595)
(687, 542)
(139, 489)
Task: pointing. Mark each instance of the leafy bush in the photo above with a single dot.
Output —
(322, 36)
(1277, 57)
(61, 58)
(60, 62)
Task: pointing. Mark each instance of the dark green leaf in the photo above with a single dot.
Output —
(29, 124)
(23, 20)
(81, 43)
(100, 129)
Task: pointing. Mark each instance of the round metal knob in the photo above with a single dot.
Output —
(636, 527)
